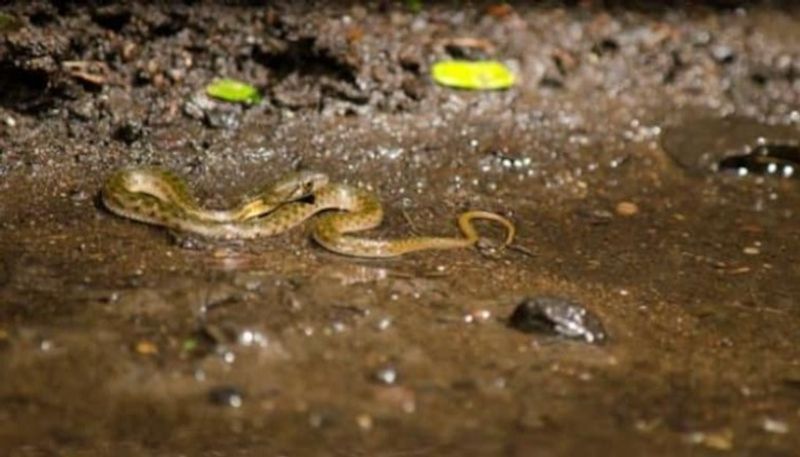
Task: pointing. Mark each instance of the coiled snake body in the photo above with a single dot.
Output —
(156, 196)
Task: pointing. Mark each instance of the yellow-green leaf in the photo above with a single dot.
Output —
(189, 344)
(232, 90)
(9, 23)
(478, 75)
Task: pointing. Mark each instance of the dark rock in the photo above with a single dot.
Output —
(113, 17)
(605, 46)
(414, 88)
(129, 132)
(557, 316)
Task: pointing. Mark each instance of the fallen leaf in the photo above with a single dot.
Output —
(479, 75)
(232, 90)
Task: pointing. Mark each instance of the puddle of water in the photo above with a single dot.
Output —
(769, 159)
(707, 144)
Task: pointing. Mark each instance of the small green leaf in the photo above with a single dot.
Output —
(232, 90)
(466, 74)
(415, 6)
(9, 23)
(189, 345)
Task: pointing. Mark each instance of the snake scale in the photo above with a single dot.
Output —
(156, 196)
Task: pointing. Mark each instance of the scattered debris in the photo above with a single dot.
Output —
(720, 440)
(595, 216)
(95, 73)
(468, 48)
(214, 114)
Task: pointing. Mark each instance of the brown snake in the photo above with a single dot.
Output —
(158, 197)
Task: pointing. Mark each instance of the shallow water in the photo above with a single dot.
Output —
(120, 337)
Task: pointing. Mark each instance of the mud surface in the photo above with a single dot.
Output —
(120, 338)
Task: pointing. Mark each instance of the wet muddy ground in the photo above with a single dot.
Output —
(630, 155)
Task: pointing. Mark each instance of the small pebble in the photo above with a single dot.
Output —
(721, 440)
(386, 375)
(199, 375)
(145, 347)
(647, 426)
(481, 315)
(384, 324)
(751, 250)
(364, 421)
(626, 209)
(226, 396)
(723, 54)
(228, 356)
(738, 271)
(775, 426)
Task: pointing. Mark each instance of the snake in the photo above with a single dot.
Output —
(156, 196)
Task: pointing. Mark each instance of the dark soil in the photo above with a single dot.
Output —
(118, 338)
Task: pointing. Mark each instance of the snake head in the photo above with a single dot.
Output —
(293, 187)
(299, 185)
